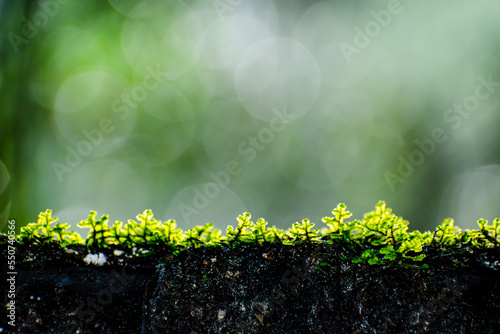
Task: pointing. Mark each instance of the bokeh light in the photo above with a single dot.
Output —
(200, 111)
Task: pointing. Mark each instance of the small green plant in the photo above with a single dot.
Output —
(147, 229)
(172, 235)
(262, 234)
(42, 232)
(99, 230)
(339, 230)
(380, 238)
(304, 232)
(488, 234)
(244, 231)
(202, 236)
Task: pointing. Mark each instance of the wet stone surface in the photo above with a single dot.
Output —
(305, 288)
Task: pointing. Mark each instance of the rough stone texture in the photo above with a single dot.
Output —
(271, 289)
(308, 289)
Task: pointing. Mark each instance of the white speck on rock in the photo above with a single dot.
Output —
(118, 252)
(221, 314)
(95, 259)
(70, 251)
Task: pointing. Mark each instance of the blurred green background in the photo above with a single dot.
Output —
(201, 110)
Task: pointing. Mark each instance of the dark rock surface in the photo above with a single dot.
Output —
(270, 289)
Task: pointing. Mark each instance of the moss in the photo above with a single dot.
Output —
(380, 238)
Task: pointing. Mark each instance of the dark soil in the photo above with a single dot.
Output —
(305, 288)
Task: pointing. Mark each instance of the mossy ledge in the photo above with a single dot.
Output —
(359, 276)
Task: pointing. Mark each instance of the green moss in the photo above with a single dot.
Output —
(380, 238)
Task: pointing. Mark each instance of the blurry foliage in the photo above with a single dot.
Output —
(368, 112)
(380, 238)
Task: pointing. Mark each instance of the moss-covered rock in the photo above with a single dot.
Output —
(369, 276)
(270, 289)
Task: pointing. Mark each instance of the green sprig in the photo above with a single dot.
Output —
(380, 238)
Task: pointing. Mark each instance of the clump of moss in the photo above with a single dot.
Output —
(380, 238)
